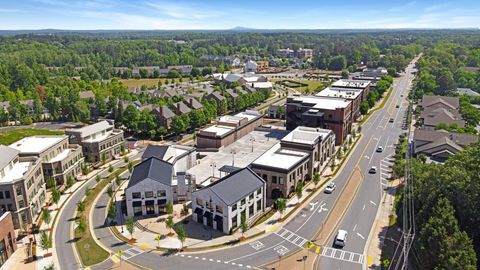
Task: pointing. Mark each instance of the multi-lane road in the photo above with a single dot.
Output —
(293, 236)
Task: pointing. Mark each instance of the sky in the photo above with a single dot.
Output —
(225, 14)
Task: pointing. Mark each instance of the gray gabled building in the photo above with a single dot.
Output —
(221, 204)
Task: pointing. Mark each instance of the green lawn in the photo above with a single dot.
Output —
(11, 136)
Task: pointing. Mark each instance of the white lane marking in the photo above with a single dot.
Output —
(354, 227)
(344, 255)
(322, 208)
(219, 261)
(281, 250)
(311, 215)
(257, 245)
(373, 203)
(361, 236)
(248, 255)
(363, 207)
(374, 149)
(312, 205)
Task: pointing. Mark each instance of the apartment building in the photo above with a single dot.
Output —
(98, 140)
(59, 159)
(228, 129)
(221, 204)
(8, 243)
(332, 113)
(22, 186)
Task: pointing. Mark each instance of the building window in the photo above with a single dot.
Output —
(9, 207)
(20, 204)
(148, 194)
(274, 179)
(219, 209)
(265, 177)
(259, 205)
(7, 194)
(234, 222)
(250, 197)
(280, 180)
(242, 202)
(234, 207)
(19, 191)
(136, 195)
(251, 211)
(1, 194)
(161, 193)
(199, 202)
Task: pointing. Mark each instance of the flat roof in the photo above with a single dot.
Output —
(262, 85)
(263, 140)
(306, 135)
(360, 84)
(328, 103)
(277, 157)
(37, 144)
(347, 93)
(17, 172)
(92, 129)
(61, 156)
(249, 114)
(218, 130)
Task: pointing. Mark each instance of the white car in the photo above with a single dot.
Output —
(330, 188)
(341, 238)
(373, 169)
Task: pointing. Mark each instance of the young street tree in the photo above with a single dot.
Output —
(56, 196)
(281, 204)
(70, 182)
(110, 191)
(169, 208)
(112, 211)
(98, 178)
(299, 189)
(316, 178)
(243, 223)
(81, 226)
(45, 241)
(169, 223)
(130, 224)
(46, 216)
(81, 207)
(158, 238)
(181, 233)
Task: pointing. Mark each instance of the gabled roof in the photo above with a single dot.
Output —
(451, 102)
(165, 112)
(8, 154)
(193, 103)
(168, 153)
(92, 129)
(181, 107)
(461, 139)
(235, 186)
(216, 96)
(154, 169)
(439, 142)
(87, 94)
(231, 93)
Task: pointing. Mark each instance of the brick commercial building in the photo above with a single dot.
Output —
(97, 140)
(228, 129)
(320, 112)
(8, 244)
(60, 159)
(22, 186)
(297, 157)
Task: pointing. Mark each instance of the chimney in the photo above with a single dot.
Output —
(161, 110)
(178, 106)
(191, 102)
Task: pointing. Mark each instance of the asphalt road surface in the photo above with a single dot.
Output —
(290, 237)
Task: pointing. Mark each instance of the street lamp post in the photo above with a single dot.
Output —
(213, 165)
(233, 152)
(252, 140)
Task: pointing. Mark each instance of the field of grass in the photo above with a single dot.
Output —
(11, 136)
(313, 86)
(138, 83)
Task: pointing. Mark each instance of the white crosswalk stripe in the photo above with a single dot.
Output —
(343, 255)
(291, 237)
(131, 252)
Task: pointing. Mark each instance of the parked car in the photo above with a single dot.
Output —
(398, 106)
(330, 188)
(379, 149)
(373, 169)
(391, 120)
(341, 238)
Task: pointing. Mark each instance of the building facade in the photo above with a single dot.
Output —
(320, 112)
(60, 159)
(221, 204)
(8, 244)
(22, 186)
(98, 140)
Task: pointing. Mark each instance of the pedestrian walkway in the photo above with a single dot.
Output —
(342, 255)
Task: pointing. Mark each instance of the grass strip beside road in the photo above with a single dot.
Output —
(10, 136)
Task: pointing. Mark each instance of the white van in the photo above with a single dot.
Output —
(341, 238)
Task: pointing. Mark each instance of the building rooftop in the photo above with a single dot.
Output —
(461, 139)
(168, 153)
(16, 172)
(37, 144)
(92, 129)
(61, 156)
(358, 84)
(467, 91)
(262, 85)
(249, 114)
(8, 154)
(307, 135)
(451, 102)
(277, 157)
(326, 103)
(218, 130)
(154, 169)
(347, 93)
(235, 186)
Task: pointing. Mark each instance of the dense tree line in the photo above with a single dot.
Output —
(447, 205)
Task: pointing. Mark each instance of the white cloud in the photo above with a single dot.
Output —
(183, 12)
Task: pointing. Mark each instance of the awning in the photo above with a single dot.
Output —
(218, 218)
(150, 202)
(137, 203)
(162, 202)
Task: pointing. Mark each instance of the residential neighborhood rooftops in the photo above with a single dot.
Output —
(36, 144)
(326, 103)
(427, 101)
(154, 169)
(461, 139)
(235, 186)
(277, 157)
(467, 91)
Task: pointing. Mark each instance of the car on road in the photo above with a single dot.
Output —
(330, 188)
(390, 120)
(341, 238)
(398, 106)
(379, 149)
(373, 169)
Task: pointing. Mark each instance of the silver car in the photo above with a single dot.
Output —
(330, 188)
